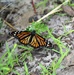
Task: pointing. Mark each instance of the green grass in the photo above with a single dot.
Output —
(26, 53)
(42, 3)
(10, 59)
(26, 69)
(56, 63)
(71, 3)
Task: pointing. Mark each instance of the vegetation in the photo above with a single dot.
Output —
(10, 58)
(42, 3)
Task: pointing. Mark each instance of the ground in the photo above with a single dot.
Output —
(58, 23)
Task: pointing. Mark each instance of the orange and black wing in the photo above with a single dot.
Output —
(34, 43)
(38, 41)
(30, 38)
(24, 37)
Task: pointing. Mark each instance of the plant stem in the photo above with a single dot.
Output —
(53, 11)
(33, 5)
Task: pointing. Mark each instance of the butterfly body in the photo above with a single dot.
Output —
(30, 38)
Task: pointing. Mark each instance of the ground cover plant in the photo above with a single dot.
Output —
(10, 59)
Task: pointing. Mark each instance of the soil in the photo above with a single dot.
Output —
(43, 56)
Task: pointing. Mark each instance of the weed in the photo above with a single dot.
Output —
(56, 62)
(26, 53)
(26, 69)
(8, 60)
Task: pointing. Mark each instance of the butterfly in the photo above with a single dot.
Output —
(31, 38)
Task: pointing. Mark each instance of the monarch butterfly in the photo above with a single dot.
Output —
(31, 38)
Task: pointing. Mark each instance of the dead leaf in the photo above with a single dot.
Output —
(69, 10)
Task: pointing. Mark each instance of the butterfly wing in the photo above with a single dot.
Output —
(34, 43)
(38, 41)
(41, 40)
(22, 36)
(25, 40)
(30, 38)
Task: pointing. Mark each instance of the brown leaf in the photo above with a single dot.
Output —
(69, 10)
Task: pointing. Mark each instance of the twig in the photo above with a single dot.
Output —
(11, 38)
(10, 25)
(4, 7)
(33, 5)
(53, 11)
